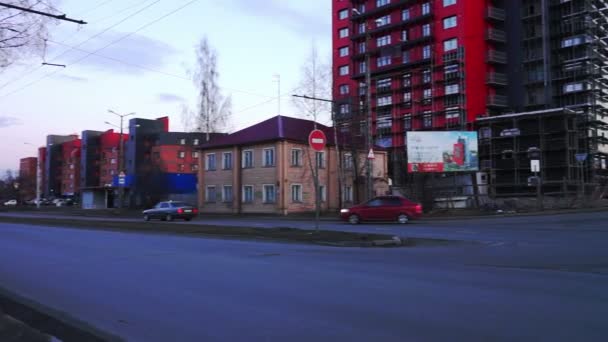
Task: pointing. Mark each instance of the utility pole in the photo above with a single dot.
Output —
(121, 153)
(368, 103)
(56, 16)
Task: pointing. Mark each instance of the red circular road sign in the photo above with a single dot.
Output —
(317, 140)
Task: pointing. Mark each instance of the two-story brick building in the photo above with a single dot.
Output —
(266, 168)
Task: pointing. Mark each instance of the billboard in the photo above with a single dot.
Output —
(442, 151)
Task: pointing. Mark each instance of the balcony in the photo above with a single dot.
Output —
(453, 55)
(497, 101)
(496, 14)
(495, 78)
(497, 57)
(496, 35)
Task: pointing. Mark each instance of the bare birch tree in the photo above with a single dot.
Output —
(213, 111)
(315, 82)
(22, 33)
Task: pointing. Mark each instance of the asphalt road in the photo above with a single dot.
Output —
(545, 281)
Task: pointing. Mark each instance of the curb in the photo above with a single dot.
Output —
(395, 241)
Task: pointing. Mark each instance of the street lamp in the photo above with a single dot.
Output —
(120, 151)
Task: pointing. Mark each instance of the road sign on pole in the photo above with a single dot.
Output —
(535, 165)
(371, 155)
(121, 179)
(317, 140)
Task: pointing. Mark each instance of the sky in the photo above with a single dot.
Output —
(144, 62)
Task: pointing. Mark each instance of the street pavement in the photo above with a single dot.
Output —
(524, 278)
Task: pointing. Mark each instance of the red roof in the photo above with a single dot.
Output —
(274, 129)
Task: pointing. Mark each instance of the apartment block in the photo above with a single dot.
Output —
(267, 168)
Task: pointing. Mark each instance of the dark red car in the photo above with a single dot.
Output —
(384, 208)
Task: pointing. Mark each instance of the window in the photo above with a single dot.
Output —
(385, 101)
(380, 3)
(181, 167)
(427, 94)
(426, 30)
(194, 167)
(269, 195)
(195, 154)
(343, 51)
(322, 193)
(426, 52)
(427, 120)
(320, 159)
(407, 80)
(210, 194)
(181, 154)
(343, 33)
(268, 157)
(407, 123)
(348, 194)
(296, 157)
(452, 113)
(227, 161)
(451, 89)
(247, 159)
(182, 141)
(343, 70)
(449, 22)
(361, 47)
(383, 84)
(447, 3)
(362, 28)
(344, 108)
(248, 194)
(451, 71)
(426, 76)
(344, 89)
(227, 193)
(348, 161)
(406, 57)
(384, 40)
(405, 15)
(362, 67)
(296, 193)
(384, 61)
(210, 165)
(572, 87)
(195, 142)
(573, 41)
(404, 36)
(385, 20)
(450, 44)
(343, 14)
(113, 161)
(407, 97)
(426, 8)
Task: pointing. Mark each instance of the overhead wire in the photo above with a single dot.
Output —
(81, 43)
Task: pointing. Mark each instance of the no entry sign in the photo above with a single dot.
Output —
(317, 140)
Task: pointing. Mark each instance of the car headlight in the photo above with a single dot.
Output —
(344, 211)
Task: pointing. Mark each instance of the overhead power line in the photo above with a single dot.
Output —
(81, 43)
(56, 16)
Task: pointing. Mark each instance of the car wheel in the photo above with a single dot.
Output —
(146, 218)
(403, 219)
(353, 219)
(187, 219)
(169, 217)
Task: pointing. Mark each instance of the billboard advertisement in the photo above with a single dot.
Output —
(442, 152)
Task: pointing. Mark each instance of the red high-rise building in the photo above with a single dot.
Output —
(434, 65)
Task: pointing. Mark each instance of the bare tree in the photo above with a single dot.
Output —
(22, 33)
(213, 110)
(315, 82)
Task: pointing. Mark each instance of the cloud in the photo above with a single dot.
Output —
(167, 97)
(8, 121)
(132, 56)
(71, 78)
(297, 20)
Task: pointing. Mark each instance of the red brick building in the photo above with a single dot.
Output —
(109, 153)
(27, 178)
